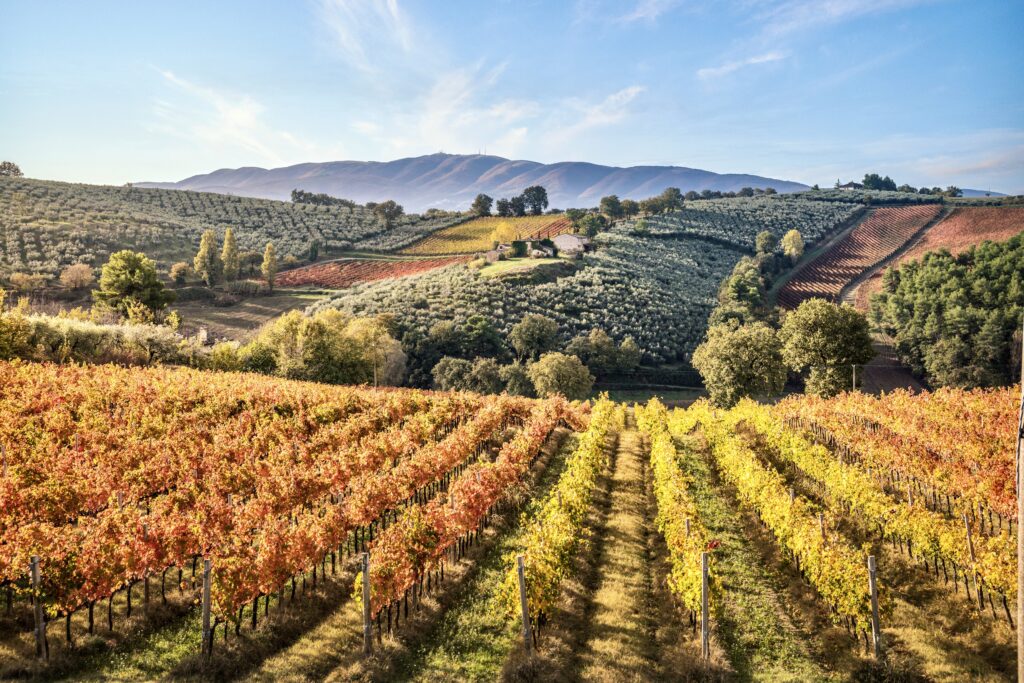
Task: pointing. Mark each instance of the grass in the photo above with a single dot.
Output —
(621, 646)
(476, 235)
(764, 635)
(518, 265)
(682, 396)
(241, 320)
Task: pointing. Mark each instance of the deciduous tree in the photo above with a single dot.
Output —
(740, 360)
(558, 373)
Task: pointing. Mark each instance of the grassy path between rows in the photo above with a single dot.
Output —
(763, 635)
(621, 643)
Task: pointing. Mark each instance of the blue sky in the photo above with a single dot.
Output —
(927, 91)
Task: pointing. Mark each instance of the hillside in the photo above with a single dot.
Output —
(46, 225)
(658, 287)
(450, 181)
(961, 229)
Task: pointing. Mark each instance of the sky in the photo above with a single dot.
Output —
(927, 91)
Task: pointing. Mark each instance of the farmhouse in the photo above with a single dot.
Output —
(850, 186)
(571, 244)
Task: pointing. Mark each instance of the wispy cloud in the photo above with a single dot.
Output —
(711, 72)
(791, 16)
(224, 120)
(648, 10)
(364, 30)
(590, 115)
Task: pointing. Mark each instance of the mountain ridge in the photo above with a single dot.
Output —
(451, 181)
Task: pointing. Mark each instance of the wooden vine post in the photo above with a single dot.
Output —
(524, 606)
(1020, 527)
(367, 622)
(705, 625)
(876, 630)
(37, 612)
(207, 648)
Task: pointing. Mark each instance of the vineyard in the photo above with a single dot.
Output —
(470, 534)
(878, 236)
(348, 272)
(963, 228)
(475, 235)
(45, 225)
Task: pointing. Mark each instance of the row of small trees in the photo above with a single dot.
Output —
(533, 200)
(214, 266)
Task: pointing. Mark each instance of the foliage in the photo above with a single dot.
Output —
(517, 380)
(793, 245)
(9, 169)
(826, 340)
(269, 266)
(208, 265)
(77, 276)
(481, 205)
(557, 373)
(128, 278)
(873, 181)
(955, 318)
(321, 199)
(554, 531)
(766, 242)
(536, 199)
(740, 360)
(533, 335)
(179, 272)
(229, 256)
(389, 211)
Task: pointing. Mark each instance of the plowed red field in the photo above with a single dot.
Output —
(881, 234)
(348, 272)
(962, 229)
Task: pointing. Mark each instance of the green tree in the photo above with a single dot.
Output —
(611, 207)
(517, 205)
(630, 208)
(389, 211)
(765, 242)
(533, 336)
(452, 374)
(558, 373)
(536, 198)
(128, 279)
(10, 169)
(269, 267)
(207, 264)
(827, 340)
(503, 208)
(671, 199)
(485, 377)
(793, 245)
(873, 181)
(629, 354)
(481, 339)
(517, 380)
(482, 205)
(592, 223)
(229, 256)
(740, 360)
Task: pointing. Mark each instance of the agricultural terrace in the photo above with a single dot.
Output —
(961, 229)
(344, 273)
(766, 514)
(876, 238)
(477, 235)
(45, 225)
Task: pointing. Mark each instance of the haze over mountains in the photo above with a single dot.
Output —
(451, 181)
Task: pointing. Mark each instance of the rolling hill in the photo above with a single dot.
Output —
(451, 181)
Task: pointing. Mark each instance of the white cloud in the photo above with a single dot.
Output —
(363, 31)
(611, 110)
(791, 16)
(225, 121)
(729, 67)
(649, 10)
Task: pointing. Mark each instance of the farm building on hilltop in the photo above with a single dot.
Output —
(571, 244)
(850, 186)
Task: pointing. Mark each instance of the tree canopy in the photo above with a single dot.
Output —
(558, 373)
(740, 360)
(130, 278)
(825, 340)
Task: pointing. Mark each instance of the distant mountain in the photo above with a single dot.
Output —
(451, 181)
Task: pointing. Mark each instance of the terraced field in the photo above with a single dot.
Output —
(476, 235)
(961, 229)
(344, 273)
(880, 235)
